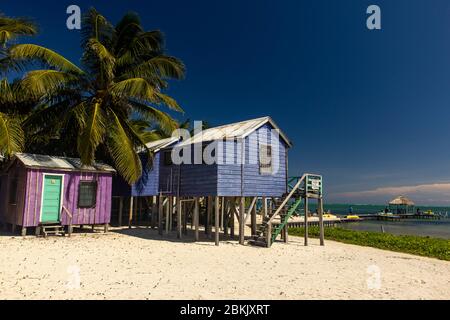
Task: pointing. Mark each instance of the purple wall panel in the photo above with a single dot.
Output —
(30, 195)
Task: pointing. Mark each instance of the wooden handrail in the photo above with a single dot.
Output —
(287, 198)
(67, 212)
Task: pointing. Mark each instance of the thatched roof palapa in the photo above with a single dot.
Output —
(401, 200)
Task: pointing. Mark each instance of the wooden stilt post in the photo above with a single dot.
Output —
(139, 216)
(179, 225)
(130, 214)
(222, 212)
(226, 216)
(217, 221)
(169, 207)
(242, 221)
(120, 211)
(269, 235)
(285, 234)
(264, 210)
(184, 218)
(232, 214)
(160, 214)
(306, 220)
(253, 219)
(208, 217)
(154, 209)
(196, 217)
(24, 231)
(320, 210)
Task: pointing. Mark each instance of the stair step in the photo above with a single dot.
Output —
(258, 243)
(54, 232)
(51, 228)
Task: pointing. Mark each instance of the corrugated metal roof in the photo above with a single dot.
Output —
(157, 145)
(234, 130)
(59, 163)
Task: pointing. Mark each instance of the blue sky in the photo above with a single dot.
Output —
(367, 109)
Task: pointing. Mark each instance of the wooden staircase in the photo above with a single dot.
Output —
(285, 207)
(52, 228)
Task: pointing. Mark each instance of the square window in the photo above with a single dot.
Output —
(87, 194)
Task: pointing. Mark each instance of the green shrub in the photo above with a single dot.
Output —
(422, 246)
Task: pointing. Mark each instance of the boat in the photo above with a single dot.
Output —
(353, 217)
(382, 213)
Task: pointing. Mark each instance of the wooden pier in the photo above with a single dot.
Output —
(399, 217)
(342, 219)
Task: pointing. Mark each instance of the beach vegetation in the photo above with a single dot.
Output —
(422, 246)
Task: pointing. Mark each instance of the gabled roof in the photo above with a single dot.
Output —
(157, 145)
(237, 130)
(59, 163)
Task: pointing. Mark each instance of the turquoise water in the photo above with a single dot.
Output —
(369, 208)
(428, 228)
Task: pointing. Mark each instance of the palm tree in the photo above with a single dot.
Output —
(13, 102)
(123, 75)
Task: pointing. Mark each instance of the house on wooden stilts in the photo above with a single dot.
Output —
(229, 168)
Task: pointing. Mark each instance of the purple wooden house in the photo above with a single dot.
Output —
(40, 190)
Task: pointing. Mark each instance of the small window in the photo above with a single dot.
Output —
(168, 158)
(87, 194)
(265, 159)
(13, 190)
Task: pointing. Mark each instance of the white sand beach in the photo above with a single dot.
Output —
(139, 264)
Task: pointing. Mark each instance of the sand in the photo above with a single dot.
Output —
(138, 264)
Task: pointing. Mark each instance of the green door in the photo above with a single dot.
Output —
(51, 198)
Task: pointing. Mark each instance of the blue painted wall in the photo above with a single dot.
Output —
(229, 178)
(248, 181)
(148, 184)
(195, 179)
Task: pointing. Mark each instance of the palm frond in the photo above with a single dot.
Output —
(140, 89)
(92, 134)
(11, 28)
(165, 67)
(160, 118)
(33, 53)
(46, 82)
(97, 56)
(11, 135)
(123, 151)
(96, 26)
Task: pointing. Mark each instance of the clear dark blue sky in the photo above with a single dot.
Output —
(367, 109)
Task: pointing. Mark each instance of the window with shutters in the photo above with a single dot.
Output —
(265, 159)
(87, 194)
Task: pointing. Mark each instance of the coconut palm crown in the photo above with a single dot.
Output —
(123, 75)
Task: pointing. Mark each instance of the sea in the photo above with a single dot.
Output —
(418, 227)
